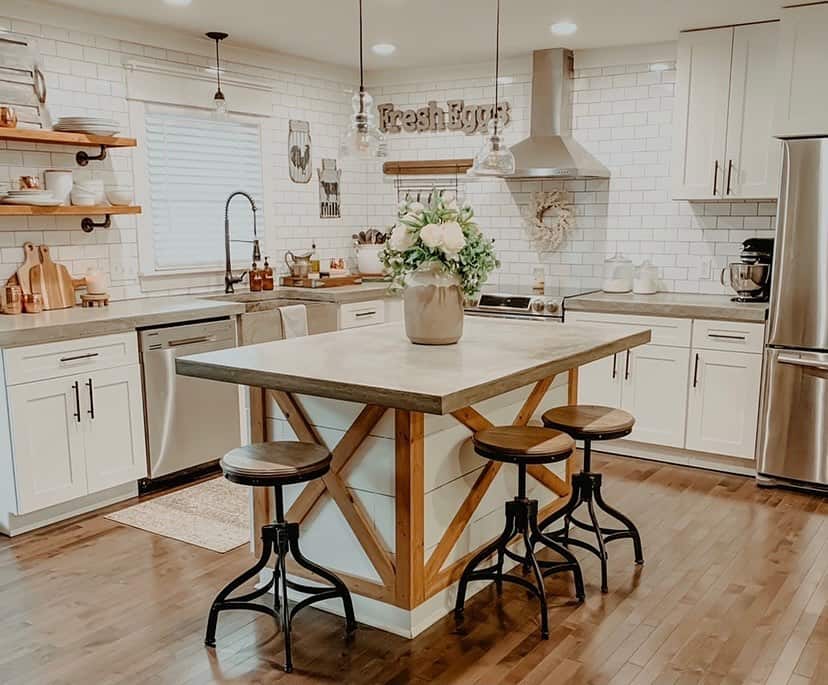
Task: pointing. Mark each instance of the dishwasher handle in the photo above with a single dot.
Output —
(198, 340)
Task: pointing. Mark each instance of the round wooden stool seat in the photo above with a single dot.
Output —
(276, 463)
(590, 422)
(523, 444)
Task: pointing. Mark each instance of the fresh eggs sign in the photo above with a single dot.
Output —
(456, 116)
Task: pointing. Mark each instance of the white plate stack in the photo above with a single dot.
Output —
(31, 196)
(96, 126)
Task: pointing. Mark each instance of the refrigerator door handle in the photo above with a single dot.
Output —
(799, 361)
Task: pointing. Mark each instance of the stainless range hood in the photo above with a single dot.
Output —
(550, 151)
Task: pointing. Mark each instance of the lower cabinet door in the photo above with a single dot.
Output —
(724, 403)
(114, 427)
(600, 382)
(655, 393)
(47, 434)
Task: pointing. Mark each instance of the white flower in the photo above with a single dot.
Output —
(449, 196)
(432, 235)
(413, 218)
(401, 238)
(403, 206)
(453, 238)
(416, 208)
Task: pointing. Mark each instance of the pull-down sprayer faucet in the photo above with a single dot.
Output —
(229, 279)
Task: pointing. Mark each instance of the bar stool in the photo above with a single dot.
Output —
(589, 423)
(522, 445)
(275, 464)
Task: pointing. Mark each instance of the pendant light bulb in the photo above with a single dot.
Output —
(219, 103)
(362, 138)
(494, 158)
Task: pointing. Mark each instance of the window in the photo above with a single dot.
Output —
(193, 164)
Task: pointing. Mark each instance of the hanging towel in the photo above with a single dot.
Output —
(294, 321)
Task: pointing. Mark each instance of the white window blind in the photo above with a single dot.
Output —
(194, 163)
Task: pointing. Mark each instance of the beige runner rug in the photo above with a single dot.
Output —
(213, 514)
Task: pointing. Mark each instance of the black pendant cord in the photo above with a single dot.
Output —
(361, 65)
(497, 66)
(218, 68)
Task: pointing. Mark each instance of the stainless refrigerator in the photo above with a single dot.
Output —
(792, 447)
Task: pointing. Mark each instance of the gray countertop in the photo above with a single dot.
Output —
(679, 305)
(128, 315)
(378, 365)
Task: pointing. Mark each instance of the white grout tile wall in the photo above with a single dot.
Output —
(623, 115)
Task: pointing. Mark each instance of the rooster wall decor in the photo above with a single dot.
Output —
(299, 152)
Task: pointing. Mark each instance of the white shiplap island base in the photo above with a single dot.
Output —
(407, 501)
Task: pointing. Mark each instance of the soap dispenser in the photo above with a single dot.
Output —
(255, 279)
(267, 276)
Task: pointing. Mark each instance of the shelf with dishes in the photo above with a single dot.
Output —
(88, 224)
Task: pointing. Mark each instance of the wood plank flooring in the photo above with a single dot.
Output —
(735, 590)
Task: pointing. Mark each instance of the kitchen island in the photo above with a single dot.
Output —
(407, 501)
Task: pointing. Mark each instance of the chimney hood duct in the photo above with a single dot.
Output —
(550, 151)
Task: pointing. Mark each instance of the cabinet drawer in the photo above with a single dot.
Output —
(666, 331)
(728, 335)
(356, 314)
(53, 360)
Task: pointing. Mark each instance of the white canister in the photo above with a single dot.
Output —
(59, 183)
(95, 282)
(646, 279)
(368, 261)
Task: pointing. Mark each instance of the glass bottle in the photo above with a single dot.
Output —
(255, 279)
(267, 276)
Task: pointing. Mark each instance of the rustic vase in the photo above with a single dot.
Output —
(433, 303)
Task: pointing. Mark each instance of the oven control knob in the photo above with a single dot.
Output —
(536, 306)
(551, 307)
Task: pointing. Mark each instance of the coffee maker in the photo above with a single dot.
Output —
(751, 277)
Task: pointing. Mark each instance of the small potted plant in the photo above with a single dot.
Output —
(437, 256)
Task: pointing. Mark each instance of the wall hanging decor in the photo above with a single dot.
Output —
(329, 189)
(432, 117)
(299, 151)
(548, 217)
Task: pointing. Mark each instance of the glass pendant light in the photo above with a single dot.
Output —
(494, 158)
(219, 103)
(362, 139)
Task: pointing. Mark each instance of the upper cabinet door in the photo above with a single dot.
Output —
(754, 157)
(703, 91)
(803, 57)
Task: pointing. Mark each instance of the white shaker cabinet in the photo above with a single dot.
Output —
(803, 57)
(47, 435)
(725, 99)
(600, 382)
(724, 403)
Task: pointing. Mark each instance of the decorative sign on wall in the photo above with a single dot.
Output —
(329, 186)
(299, 151)
(457, 116)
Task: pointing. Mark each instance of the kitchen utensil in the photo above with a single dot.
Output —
(59, 183)
(12, 299)
(33, 303)
(30, 260)
(368, 261)
(94, 125)
(30, 183)
(646, 279)
(8, 117)
(748, 280)
(299, 264)
(618, 275)
(119, 196)
(53, 281)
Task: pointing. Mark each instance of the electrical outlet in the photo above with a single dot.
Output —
(706, 268)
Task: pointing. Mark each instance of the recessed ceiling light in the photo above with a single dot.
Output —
(564, 28)
(659, 66)
(384, 49)
(178, 3)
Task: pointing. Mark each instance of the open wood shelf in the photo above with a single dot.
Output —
(26, 135)
(96, 210)
(427, 167)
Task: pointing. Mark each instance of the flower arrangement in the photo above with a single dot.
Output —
(439, 233)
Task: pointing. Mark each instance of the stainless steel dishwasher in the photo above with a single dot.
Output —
(190, 422)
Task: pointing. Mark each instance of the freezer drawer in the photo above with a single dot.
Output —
(793, 434)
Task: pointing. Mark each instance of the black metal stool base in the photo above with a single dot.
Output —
(280, 539)
(521, 519)
(586, 491)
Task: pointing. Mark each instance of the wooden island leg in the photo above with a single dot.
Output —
(410, 499)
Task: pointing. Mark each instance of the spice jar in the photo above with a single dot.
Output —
(13, 299)
(33, 304)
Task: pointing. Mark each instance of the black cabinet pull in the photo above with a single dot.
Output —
(76, 387)
(729, 174)
(78, 357)
(696, 371)
(627, 367)
(614, 366)
(91, 399)
(716, 177)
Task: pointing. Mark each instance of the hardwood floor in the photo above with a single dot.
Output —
(735, 590)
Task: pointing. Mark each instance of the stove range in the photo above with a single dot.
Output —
(525, 303)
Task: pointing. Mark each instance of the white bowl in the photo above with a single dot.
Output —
(119, 197)
(81, 199)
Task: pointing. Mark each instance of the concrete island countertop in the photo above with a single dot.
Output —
(378, 365)
(679, 305)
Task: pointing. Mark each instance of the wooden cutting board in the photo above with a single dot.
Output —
(30, 260)
(53, 282)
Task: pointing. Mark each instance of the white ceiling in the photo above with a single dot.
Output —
(433, 32)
